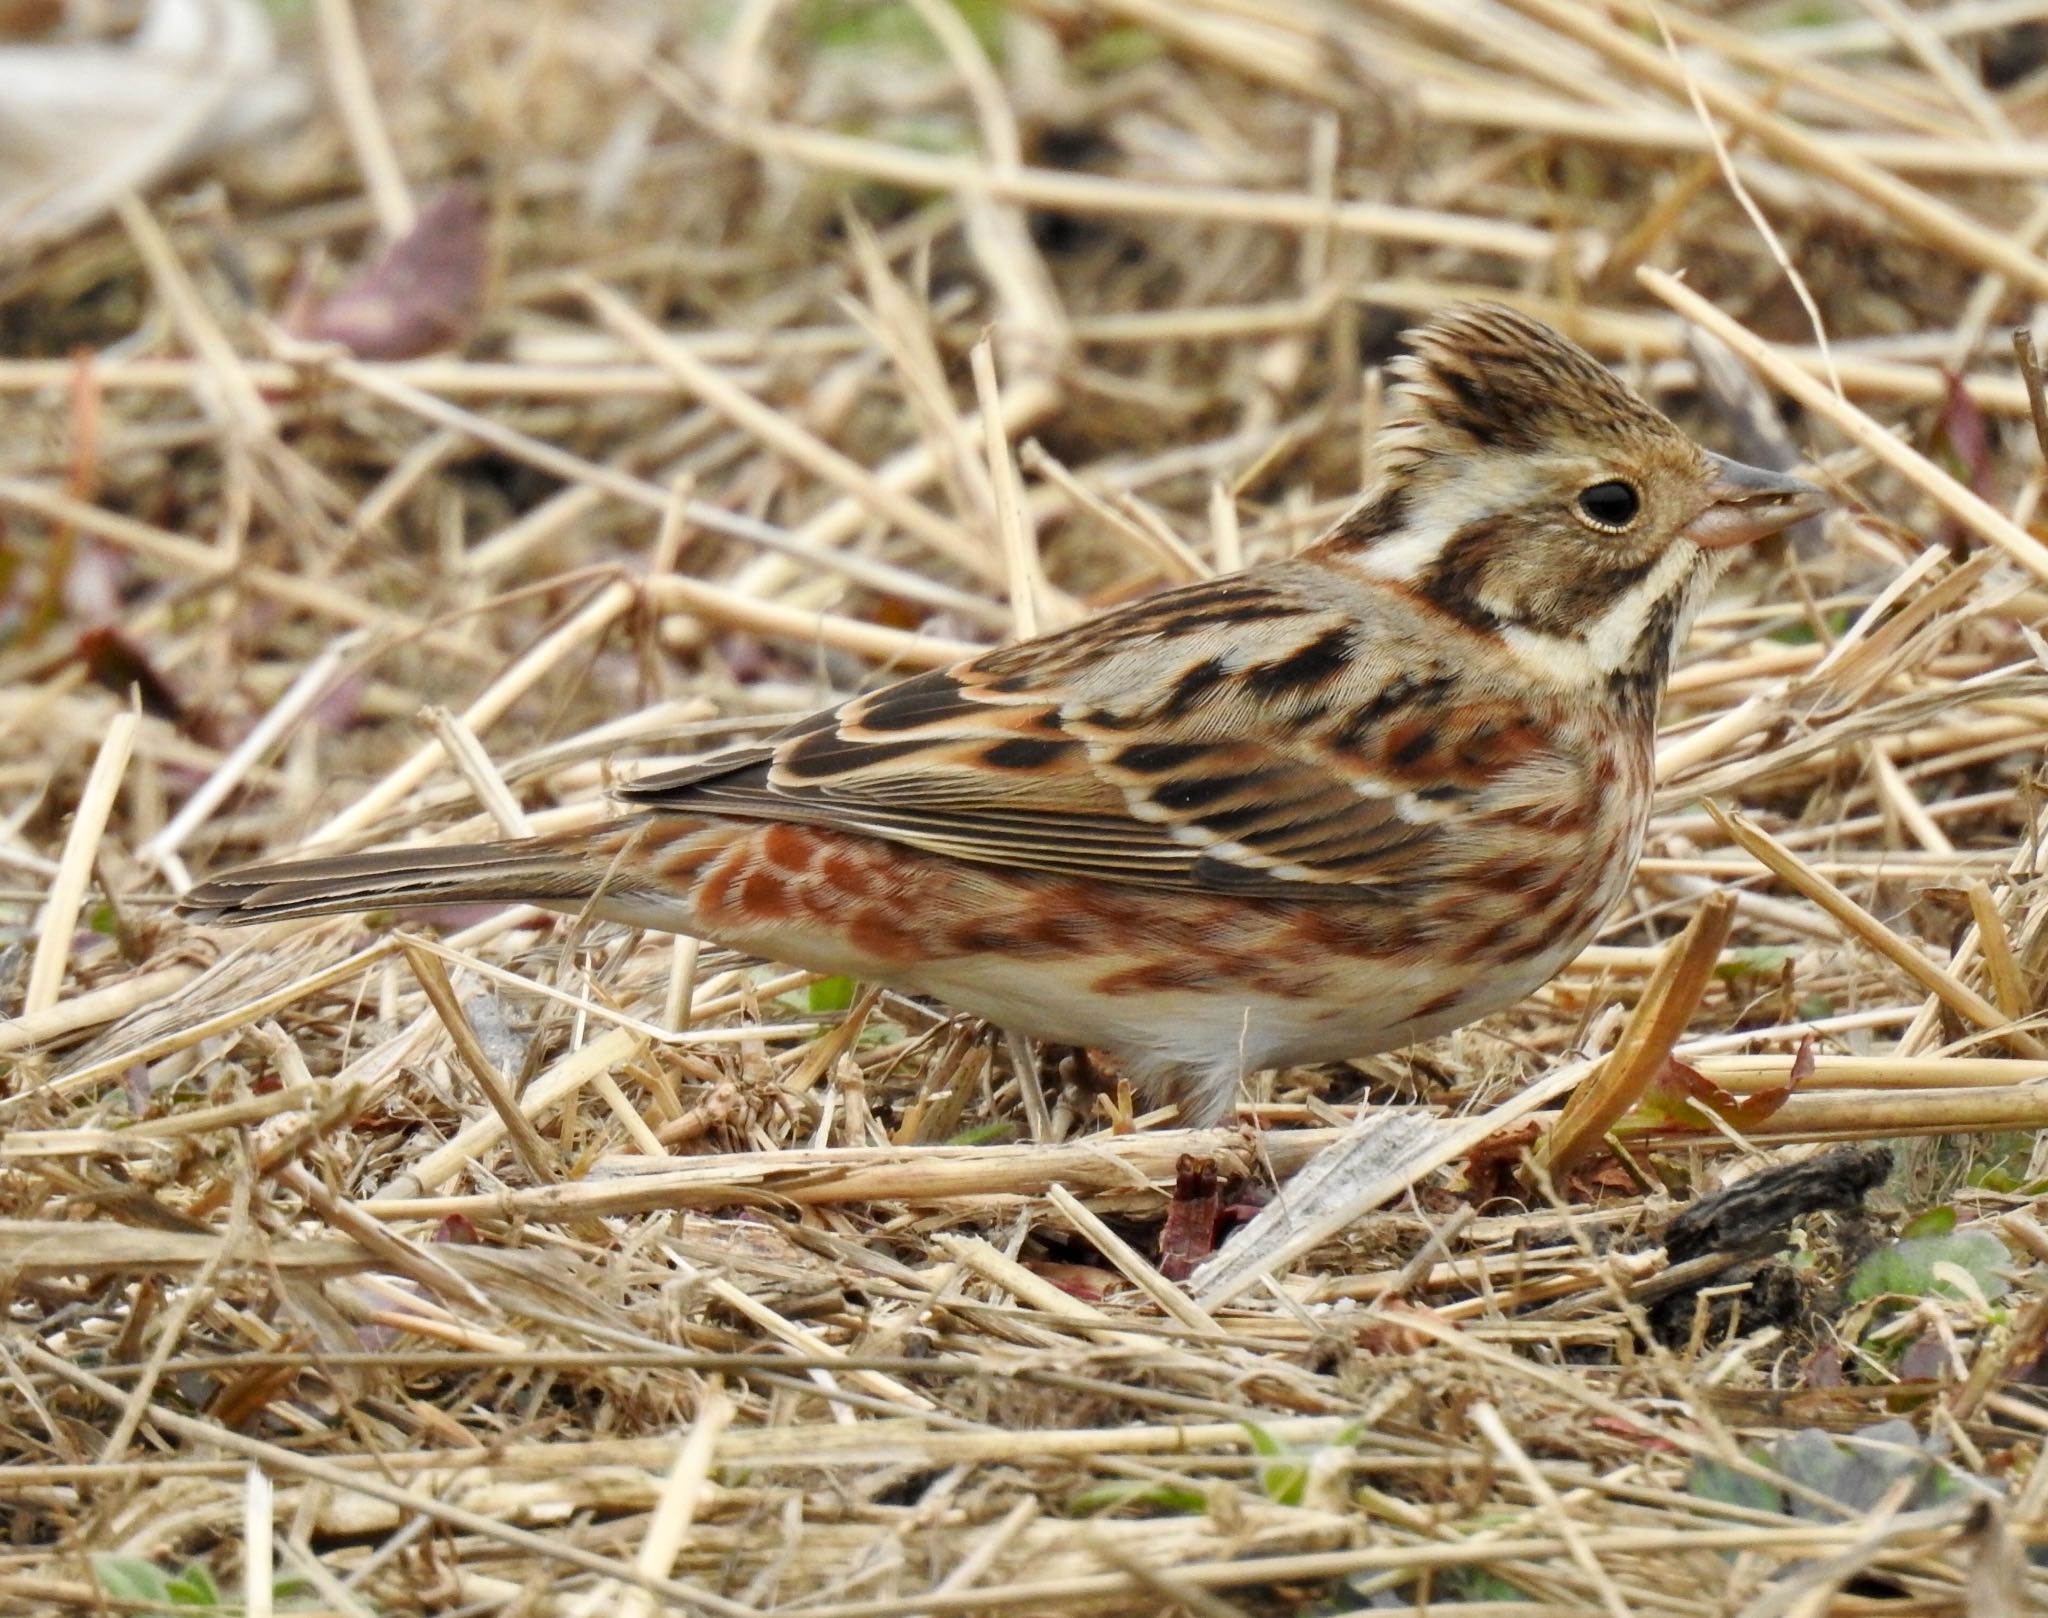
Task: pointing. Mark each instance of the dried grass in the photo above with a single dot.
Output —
(545, 1270)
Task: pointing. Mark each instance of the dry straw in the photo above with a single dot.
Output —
(502, 1265)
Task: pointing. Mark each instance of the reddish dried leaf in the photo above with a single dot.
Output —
(1492, 1167)
(1681, 1098)
(119, 666)
(1823, 1368)
(1087, 1282)
(424, 293)
(457, 1230)
(1925, 1360)
(1967, 436)
(1190, 1232)
(1385, 1331)
(240, 1401)
(1243, 1207)
(750, 659)
(1599, 1178)
(897, 613)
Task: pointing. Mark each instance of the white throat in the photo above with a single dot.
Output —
(1433, 513)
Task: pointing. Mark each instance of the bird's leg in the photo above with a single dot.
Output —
(1024, 1063)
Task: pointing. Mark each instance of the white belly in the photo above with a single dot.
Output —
(1196, 1046)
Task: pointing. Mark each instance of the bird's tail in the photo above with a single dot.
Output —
(561, 872)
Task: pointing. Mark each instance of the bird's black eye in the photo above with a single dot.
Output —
(1611, 505)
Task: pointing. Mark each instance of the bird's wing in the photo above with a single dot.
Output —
(1233, 736)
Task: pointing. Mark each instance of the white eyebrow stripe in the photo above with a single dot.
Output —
(1434, 513)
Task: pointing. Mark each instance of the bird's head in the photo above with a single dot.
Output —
(1523, 487)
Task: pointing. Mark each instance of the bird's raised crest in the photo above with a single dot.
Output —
(1483, 377)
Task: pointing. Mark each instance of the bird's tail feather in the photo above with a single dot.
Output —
(558, 872)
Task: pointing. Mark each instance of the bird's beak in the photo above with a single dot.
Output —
(1746, 503)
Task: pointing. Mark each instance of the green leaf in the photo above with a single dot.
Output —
(1934, 1222)
(892, 27)
(1765, 961)
(984, 18)
(994, 1132)
(1116, 50)
(194, 1587)
(1263, 1442)
(1905, 1268)
(1177, 1498)
(830, 994)
(1710, 1479)
(1282, 1474)
(1999, 1162)
(1854, 1471)
(1285, 1483)
(130, 1578)
(1859, 1469)
(1476, 1584)
(1804, 634)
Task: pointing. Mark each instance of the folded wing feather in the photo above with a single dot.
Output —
(1241, 742)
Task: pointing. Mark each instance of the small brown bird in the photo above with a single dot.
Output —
(1318, 809)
